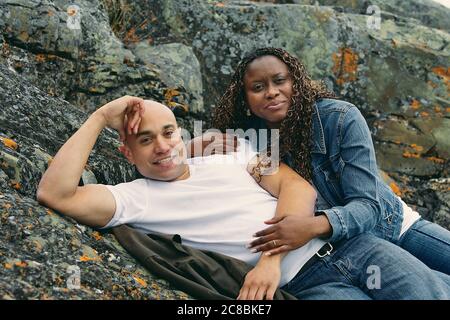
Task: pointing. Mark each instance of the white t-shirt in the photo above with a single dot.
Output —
(218, 208)
(409, 217)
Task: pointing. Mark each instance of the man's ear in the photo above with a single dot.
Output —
(126, 151)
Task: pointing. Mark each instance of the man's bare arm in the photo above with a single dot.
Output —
(91, 204)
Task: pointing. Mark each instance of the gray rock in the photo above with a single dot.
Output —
(55, 65)
(179, 68)
(427, 12)
(45, 124)
(41, 251)
(88, 66)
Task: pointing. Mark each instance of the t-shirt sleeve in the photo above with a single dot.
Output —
(130, 202)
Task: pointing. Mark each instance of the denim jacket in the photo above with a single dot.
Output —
(354, 197)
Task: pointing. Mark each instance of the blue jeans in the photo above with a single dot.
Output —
(430, 243)
(366, 267)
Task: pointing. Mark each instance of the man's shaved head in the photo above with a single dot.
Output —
(155, 110)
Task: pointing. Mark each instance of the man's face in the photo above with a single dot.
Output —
(157, 149)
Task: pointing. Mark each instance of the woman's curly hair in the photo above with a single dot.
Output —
(296, 128)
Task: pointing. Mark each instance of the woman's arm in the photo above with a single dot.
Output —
(358, 180)
(359, 183)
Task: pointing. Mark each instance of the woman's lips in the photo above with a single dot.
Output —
(274, 107)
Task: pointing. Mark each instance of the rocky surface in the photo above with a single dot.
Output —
(58, 63)
(40, 250)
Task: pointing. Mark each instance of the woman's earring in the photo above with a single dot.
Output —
(249, 114)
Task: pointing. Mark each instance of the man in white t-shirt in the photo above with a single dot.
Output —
(215, 203)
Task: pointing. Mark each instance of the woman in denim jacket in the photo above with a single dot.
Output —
(328, 142)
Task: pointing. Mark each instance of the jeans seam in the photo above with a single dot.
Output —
(431, 236)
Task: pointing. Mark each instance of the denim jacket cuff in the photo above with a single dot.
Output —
(337, 224)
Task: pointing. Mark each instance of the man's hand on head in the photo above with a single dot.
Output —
(123, 114)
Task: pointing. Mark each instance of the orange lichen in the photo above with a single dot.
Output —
(395, 188)
(415, 104)
(97, 235)
(16, 185)
(408, 154)
(424, 114)
(345, 65)
(21, 264)
(417, 148)
(220, 4)
(9, 143)
(435, 159)
(7, 205)
(170, 93)
(142, 282)
(444, 73)
(85, 258)
(49, 212)
(437, 109)
(7, 266)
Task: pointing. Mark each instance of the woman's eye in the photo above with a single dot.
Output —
(257, 87)
(280, 80)
(146, 140)
(169, 133)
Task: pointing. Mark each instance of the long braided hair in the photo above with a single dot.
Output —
(296, 128)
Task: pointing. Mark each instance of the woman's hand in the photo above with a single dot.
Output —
(212, 143)
(261, 282)
(286, 233)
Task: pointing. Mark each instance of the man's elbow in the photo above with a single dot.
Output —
(46, 196)
(43, 196)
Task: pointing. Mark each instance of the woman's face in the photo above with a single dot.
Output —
(268, 88)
